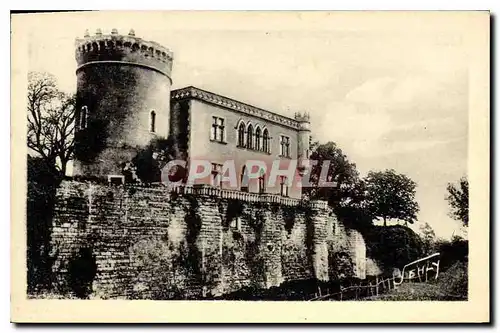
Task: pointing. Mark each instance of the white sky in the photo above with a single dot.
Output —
(392, 92)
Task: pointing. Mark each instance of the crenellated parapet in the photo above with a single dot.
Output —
(304, 120)
(122, 49)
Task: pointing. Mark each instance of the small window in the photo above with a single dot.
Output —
(216, 174)
(116, 179)
(241, 135)
(83, 117)
(284, 186)
(236, 223)
(152, 121)
(284, 146)
(217, 130)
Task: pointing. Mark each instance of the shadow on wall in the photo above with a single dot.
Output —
(82, 271)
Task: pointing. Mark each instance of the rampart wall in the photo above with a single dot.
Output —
(158, 243)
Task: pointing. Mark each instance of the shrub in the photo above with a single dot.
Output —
(393, 246)
(454, 281)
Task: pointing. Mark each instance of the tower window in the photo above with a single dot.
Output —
(284, 146)
(241, 135)
(83, 117)
(152, 121)
(250, 137)
(217, 130)
(265, 141)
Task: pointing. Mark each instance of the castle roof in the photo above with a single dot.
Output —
(191, 92)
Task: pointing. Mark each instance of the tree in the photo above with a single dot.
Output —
(458, 199)
(428, 238)
(150, 160)
(341, 172)
(391, 196)
(347, 195)
(51, 120)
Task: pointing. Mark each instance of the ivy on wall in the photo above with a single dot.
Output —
(193, 222)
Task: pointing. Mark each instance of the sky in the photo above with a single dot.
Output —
(392, 92)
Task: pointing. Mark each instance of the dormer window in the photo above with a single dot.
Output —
(152, 121)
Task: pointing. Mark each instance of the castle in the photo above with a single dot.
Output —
(152, 241)
(124, 100)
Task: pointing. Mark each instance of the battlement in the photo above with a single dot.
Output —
(124, 49)
(304, 121)
(302, 117)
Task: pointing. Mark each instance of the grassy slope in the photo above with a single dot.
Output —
(416, 292)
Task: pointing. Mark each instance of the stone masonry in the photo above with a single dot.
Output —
(160, 243)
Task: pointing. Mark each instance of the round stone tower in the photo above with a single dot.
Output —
(303, 139)
(122, 102)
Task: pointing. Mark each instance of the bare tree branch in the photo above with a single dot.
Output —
(51, 116)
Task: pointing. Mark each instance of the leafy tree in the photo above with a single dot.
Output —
(458, 199)
(347, 195)
(428, 238)
(341, 172)
(149, 161)
(51, 119)
(451, 251)
(391, 196)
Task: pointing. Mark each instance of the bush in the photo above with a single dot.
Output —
(454, 281)
(456, 250)
(393, 246)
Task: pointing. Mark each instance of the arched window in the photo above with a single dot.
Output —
(258, 146)
(265, 141)
(83, 117)
(152, 121)
(250, 137)
(241, 135)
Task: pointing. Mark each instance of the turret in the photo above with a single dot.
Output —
(123, 99)
(304, 136)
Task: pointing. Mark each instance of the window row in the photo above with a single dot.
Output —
(254, 139)
(216, 180)
(249, 137)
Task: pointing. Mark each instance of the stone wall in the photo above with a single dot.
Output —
(148, 242)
